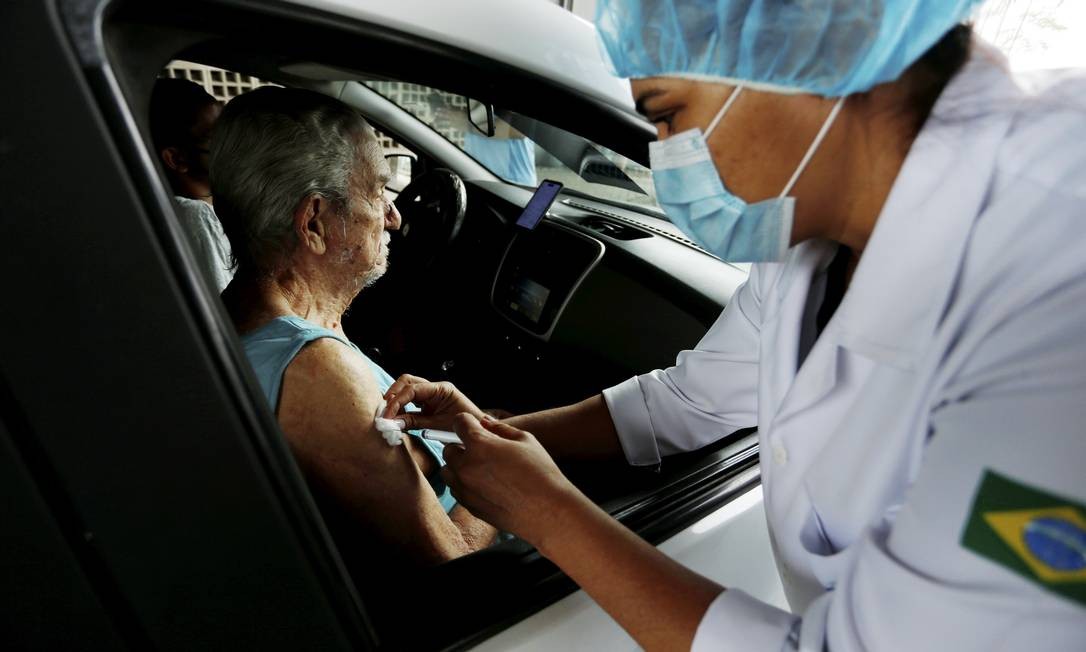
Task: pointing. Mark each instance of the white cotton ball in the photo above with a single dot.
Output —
(390, 429)
(388, 425)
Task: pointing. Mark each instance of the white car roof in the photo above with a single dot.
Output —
(533, 35)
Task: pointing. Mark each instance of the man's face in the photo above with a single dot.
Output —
(368, 218)
(199, 147)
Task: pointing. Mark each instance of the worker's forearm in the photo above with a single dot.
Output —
(656, 600)
(580, 431)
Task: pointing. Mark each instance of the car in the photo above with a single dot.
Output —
(151, 500)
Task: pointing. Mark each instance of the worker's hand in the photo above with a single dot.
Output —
(504, 476)
(439, 402)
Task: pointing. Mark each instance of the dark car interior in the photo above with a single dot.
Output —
(624, 296)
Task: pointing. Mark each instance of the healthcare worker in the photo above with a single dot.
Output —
(911, 342)
(507, 153)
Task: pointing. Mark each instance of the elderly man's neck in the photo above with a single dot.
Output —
(252, 302)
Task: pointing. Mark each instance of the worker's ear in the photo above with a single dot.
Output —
(174, 159)
(311, 221)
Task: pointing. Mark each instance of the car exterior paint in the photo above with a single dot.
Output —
(536, 36)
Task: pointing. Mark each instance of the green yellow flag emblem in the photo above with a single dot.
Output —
(1033, 533)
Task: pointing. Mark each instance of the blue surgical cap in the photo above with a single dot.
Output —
(825, 47)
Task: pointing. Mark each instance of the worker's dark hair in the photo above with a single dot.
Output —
(175, 109)
(932, 72)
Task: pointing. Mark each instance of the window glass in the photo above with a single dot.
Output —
(224, 85)
(523, 150)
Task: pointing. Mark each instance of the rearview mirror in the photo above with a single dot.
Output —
(481, 116)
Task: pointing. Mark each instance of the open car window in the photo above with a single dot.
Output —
(613, 316)
(524, 150)
(223, 85)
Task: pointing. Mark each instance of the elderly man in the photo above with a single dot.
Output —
(299, 180)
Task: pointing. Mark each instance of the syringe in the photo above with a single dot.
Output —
(392, 431)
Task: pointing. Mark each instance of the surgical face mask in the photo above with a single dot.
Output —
(691, 192)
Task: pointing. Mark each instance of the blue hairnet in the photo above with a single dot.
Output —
(825, 47)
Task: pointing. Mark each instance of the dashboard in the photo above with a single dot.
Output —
(602, 283)
(540, 272)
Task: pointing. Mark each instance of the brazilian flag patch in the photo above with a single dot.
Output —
(1033, 533)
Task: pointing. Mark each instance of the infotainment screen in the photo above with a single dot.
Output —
(538, 204)
(528, 298)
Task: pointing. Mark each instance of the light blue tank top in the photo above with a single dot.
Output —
(271, 348)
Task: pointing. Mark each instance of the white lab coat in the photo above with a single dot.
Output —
(959, 348)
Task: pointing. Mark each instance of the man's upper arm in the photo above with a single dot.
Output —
(326, 410)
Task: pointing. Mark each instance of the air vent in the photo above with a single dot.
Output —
(642, 225)
(613, 228)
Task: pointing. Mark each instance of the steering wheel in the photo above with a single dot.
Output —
(432, 210)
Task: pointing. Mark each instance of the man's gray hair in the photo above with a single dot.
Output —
(271, 148)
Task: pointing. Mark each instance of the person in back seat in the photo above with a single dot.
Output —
(182, 116)
(299, 180)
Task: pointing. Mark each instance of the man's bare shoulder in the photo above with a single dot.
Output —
(329, 394)
(327, 363)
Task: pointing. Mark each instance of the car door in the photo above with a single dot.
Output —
(131, 410)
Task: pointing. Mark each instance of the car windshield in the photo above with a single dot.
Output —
(523, 150)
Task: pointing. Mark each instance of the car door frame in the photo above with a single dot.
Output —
(218, 429)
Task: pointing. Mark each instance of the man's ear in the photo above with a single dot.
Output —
(310, 223)
(174, 160)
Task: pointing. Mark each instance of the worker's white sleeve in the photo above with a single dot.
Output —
(988, 549)
(736, 621)
(709, 393)
(997, 505)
